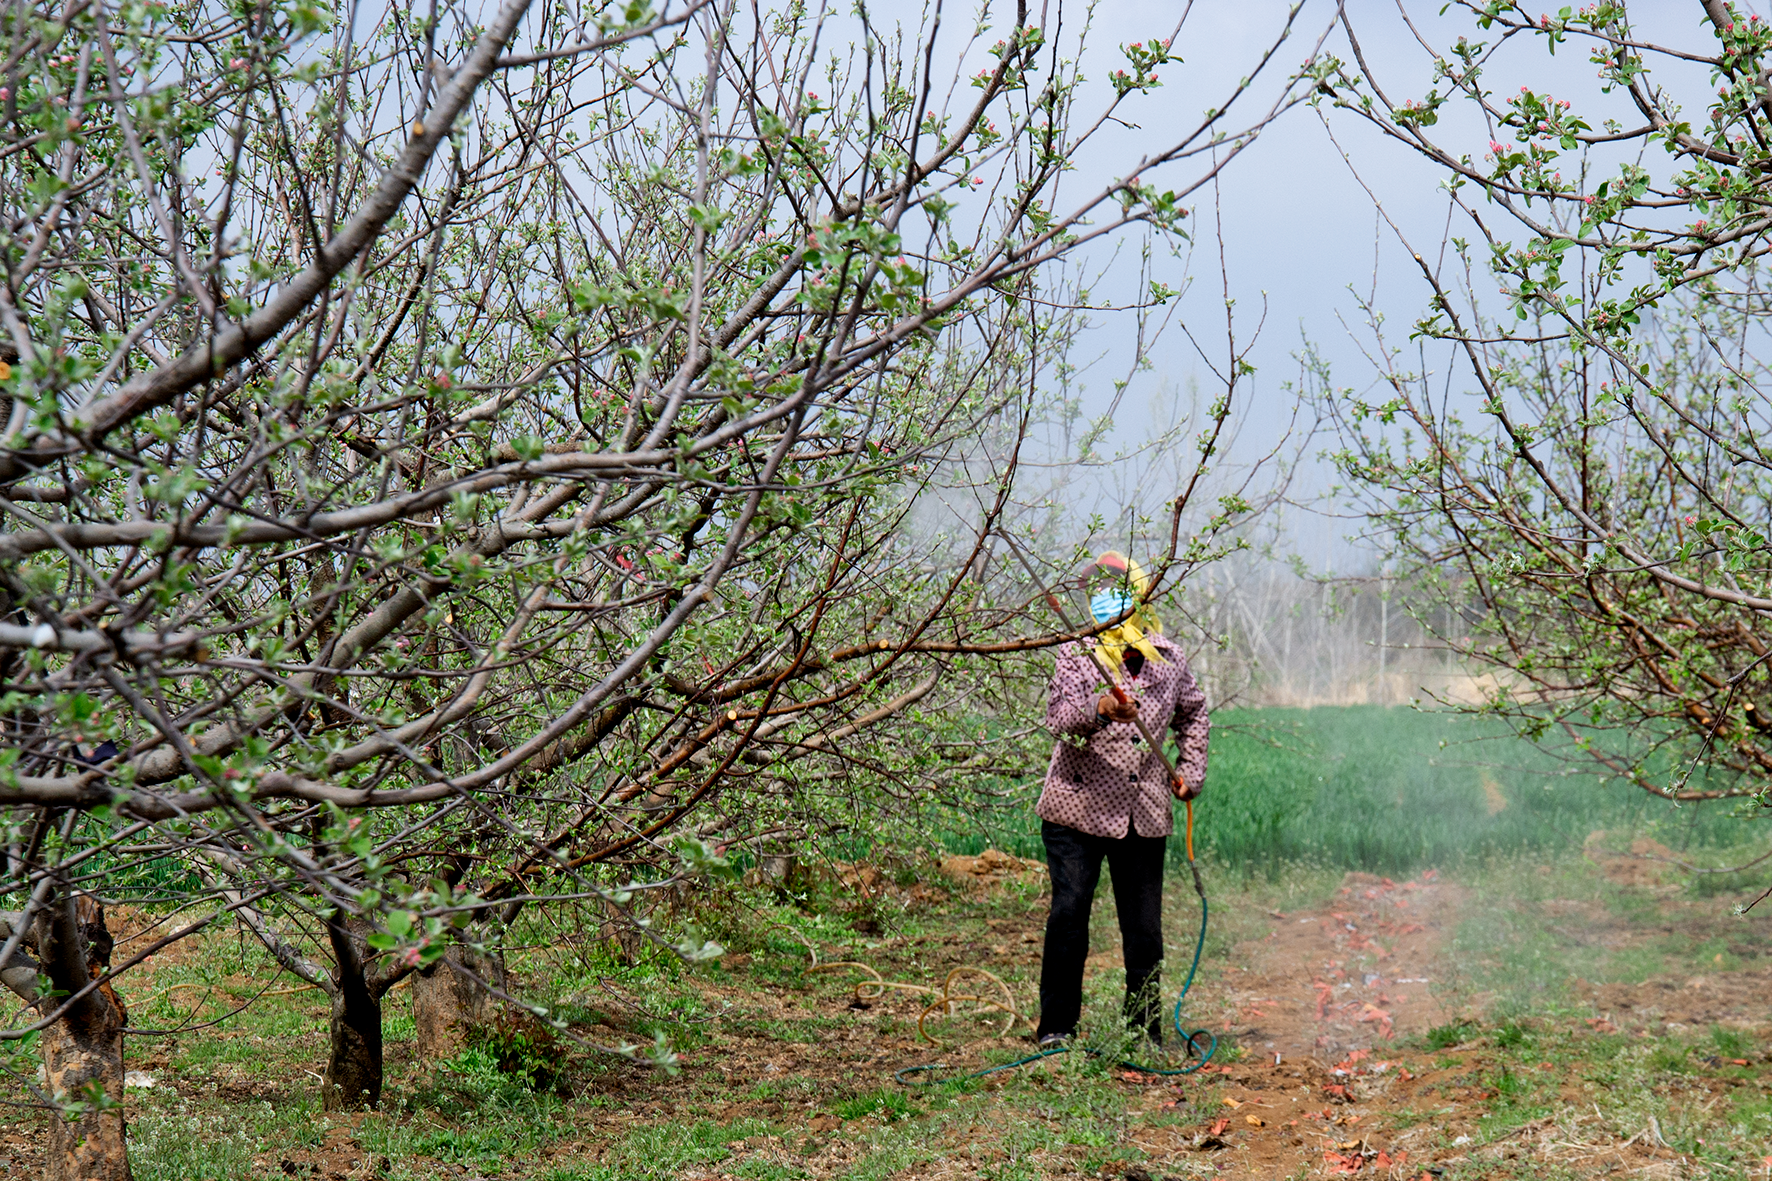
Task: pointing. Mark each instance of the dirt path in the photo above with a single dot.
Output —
(1332, 1006)
(1354, 975)
(1320, 1006)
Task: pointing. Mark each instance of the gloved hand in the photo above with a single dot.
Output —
(1115, 710)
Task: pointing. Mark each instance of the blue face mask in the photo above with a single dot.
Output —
(1107, 604)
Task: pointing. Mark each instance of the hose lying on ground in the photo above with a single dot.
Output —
(945, 996)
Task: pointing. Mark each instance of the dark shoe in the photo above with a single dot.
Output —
(1052, 1041)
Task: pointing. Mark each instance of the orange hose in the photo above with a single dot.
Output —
(1190, 830)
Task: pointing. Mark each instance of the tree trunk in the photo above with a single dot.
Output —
(83, 1061)
(447, 1006)
(83, 1052)
(354, 1065)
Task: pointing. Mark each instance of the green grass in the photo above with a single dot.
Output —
(1442, 1037)
(1391, 790)
(669, 1150)
(1394, 790)
(889, 1104)
(1730, 1043)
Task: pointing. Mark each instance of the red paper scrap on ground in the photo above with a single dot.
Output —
(1371, 1012)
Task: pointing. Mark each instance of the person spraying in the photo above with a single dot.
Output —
(1107, 794)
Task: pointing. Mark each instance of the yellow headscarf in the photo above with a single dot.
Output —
(1131, 586)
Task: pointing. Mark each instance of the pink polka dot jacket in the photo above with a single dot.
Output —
(1104, 779)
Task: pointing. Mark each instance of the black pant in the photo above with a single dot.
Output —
(1073, 860)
